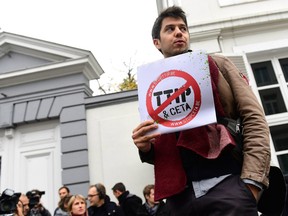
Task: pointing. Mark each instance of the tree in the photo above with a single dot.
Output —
(129, 82)
(100, 87)
(111, 85)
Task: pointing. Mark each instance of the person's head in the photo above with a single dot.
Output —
(170, 32)
(34, 198)
(148, 193)
(63, 203)
(24, 202)
(66, 200)
(63, 191)
(96, 194)
(77, 205)
(118, 189)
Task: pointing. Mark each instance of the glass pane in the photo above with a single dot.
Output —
(272, 101)
(264, 73)
(283, 162)
(284, 65)
(280, 137)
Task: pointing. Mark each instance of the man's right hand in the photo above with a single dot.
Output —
(19, 209)
(140, 137)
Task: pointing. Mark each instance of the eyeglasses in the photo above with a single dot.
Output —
(91, 195)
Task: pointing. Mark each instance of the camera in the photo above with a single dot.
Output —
(34, 197)
(8, 201)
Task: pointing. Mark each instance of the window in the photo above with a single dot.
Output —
(272, 101)
(268, 81)
(264, 73)
(280, 139)
(271, 77)
(284, 66)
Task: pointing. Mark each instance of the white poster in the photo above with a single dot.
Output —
(176, 92)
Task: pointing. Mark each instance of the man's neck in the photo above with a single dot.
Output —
(100, 203)
(151, 205)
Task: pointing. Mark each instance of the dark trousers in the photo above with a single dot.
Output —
(231, 197)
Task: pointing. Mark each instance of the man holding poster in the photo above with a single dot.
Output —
(196, 169)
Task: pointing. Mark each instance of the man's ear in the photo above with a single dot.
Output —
(157, 43)
(146, 197)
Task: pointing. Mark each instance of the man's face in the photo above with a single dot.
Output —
(93, 197)
(116, 193)
(174, 37)
(150, 198)
(62, 193)
(25, 203)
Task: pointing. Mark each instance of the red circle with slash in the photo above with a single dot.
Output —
(190, 82)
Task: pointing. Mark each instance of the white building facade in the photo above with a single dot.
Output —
(258, 31)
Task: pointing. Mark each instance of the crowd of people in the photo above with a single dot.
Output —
(97, 203)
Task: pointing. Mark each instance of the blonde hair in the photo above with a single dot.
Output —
(72, 200)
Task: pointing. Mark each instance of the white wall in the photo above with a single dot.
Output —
(113, 157)
(199, 11)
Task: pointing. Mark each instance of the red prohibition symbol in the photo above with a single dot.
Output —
(189, 82)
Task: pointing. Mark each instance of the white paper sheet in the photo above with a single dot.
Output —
(176, 92)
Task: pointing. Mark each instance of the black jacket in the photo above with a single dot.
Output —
(129, 203)
(108, 208)
(40, 211)
(161, 211)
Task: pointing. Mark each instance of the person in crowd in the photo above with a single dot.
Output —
(62, 209)
(63, 191)
(18, 211)
(35, 205)
(197, 170)
(128, 202)
(23, 199)
(152, 207)
(77, 206)
(100, 203)
(22, 208)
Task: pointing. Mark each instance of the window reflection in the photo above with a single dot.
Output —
(283, 162)
(280, 140)
(284, 66)
(280, 137)
(272, 101)
(264, 73)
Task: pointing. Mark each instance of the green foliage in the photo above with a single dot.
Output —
(129, 83)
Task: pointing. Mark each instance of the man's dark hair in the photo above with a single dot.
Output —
(119, 186)
(147, 190)
(101, 190)
(175, 12)
(64, 187)
(64, 202)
